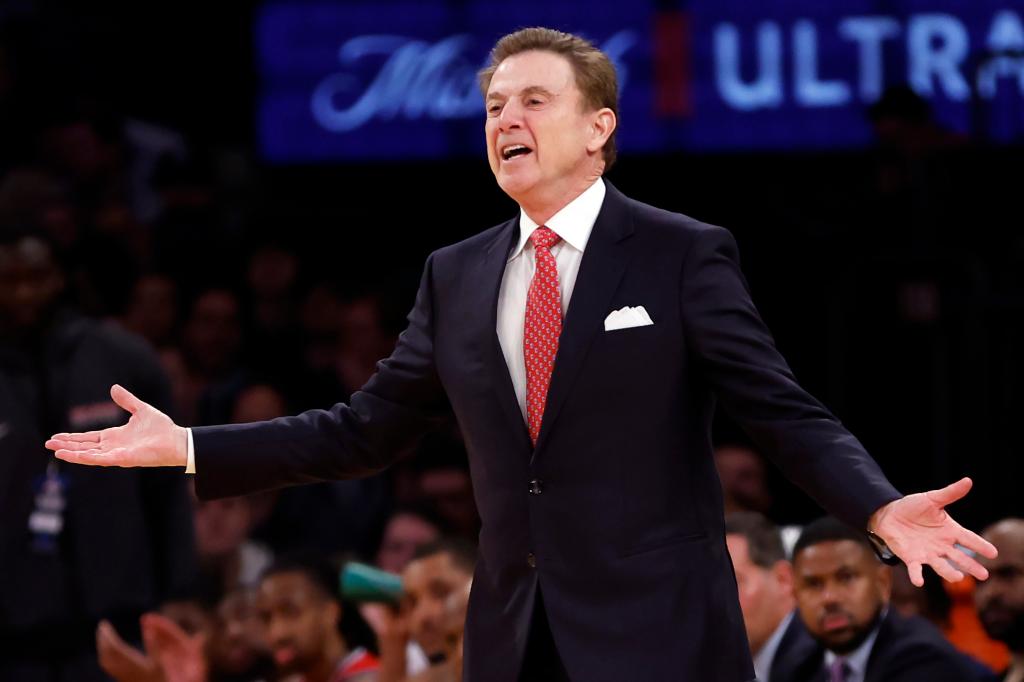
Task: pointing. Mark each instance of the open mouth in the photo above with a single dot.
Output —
(511, 151)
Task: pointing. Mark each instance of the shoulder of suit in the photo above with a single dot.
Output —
(478, 242)
(650, 218)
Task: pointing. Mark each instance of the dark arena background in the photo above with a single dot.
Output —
(253, 188)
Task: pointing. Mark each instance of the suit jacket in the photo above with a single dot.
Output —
(799, 656)
(905, 650)
(617, 513)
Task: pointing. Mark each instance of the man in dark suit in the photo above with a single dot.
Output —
(764, 578)
(842, 593)
(581, 346)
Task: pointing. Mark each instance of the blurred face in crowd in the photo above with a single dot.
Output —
(450, 491)
(258, 403)
(237, 644)
(766, 594)
(153, 308)
(403, 535)
(300, 622)
(221, 526)
(429, 583)
(840, 589)
(30, 283)
(1000, 599)
(742, 473)
(533, 101)
(213, 332)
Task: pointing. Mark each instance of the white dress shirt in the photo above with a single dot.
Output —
(766, 655)
(573, 224)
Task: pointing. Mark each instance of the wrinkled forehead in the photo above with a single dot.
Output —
(532, 70)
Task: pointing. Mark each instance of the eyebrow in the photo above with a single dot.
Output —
(529, 90)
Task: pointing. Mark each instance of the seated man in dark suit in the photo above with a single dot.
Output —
(842, 592)
(765, 581)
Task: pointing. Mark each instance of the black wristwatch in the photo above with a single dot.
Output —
(882, 549)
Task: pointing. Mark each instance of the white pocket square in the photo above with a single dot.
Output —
(627, 317)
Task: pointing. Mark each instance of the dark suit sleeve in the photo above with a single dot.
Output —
(383, 421)
(751, 379)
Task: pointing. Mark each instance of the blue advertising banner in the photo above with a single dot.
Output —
(397, 79)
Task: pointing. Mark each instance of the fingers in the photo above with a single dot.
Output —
(56, 443)
(978, 544)
(118, 457)
(951, 493)
(945, 570)
(124, 398)
(914, 569)
(967, 563)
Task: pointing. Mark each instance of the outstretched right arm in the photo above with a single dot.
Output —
(383, 420)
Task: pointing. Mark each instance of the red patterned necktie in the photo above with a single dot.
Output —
(541, 328)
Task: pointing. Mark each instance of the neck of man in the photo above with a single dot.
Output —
(548, 202)
(783, 608)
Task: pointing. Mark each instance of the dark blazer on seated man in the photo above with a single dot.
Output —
(904, 650)
(616, 515)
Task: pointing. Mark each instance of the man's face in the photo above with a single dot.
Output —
(765, 593)
(428, 582)
(237, 646)
(404, 534)
(533, 101)
(1000, 599)
(298, 620)
(840, 589)
(29, 284)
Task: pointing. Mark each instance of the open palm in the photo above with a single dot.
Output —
(149, 439)
(919, 531)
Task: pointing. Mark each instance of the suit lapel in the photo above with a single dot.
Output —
(601, 269)
(491, 270)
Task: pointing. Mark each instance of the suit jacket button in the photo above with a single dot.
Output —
(531, 560)
(535, 487)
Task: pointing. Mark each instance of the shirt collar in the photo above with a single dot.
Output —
(763, 659)
(857, 660)
(573, 223)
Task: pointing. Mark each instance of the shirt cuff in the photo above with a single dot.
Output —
(190, 466)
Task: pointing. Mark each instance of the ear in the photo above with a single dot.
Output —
(782, 571)
(602, 125)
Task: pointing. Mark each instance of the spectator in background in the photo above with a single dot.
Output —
(64, 564)
(210, 346)
(227, 558)
(744, 482)
(1000, 599)
(309, 631)
(407, 529)
(765, 581)
(432, 613)
(364, 341)
(152, 310)
(236, 650)
(842, 592)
